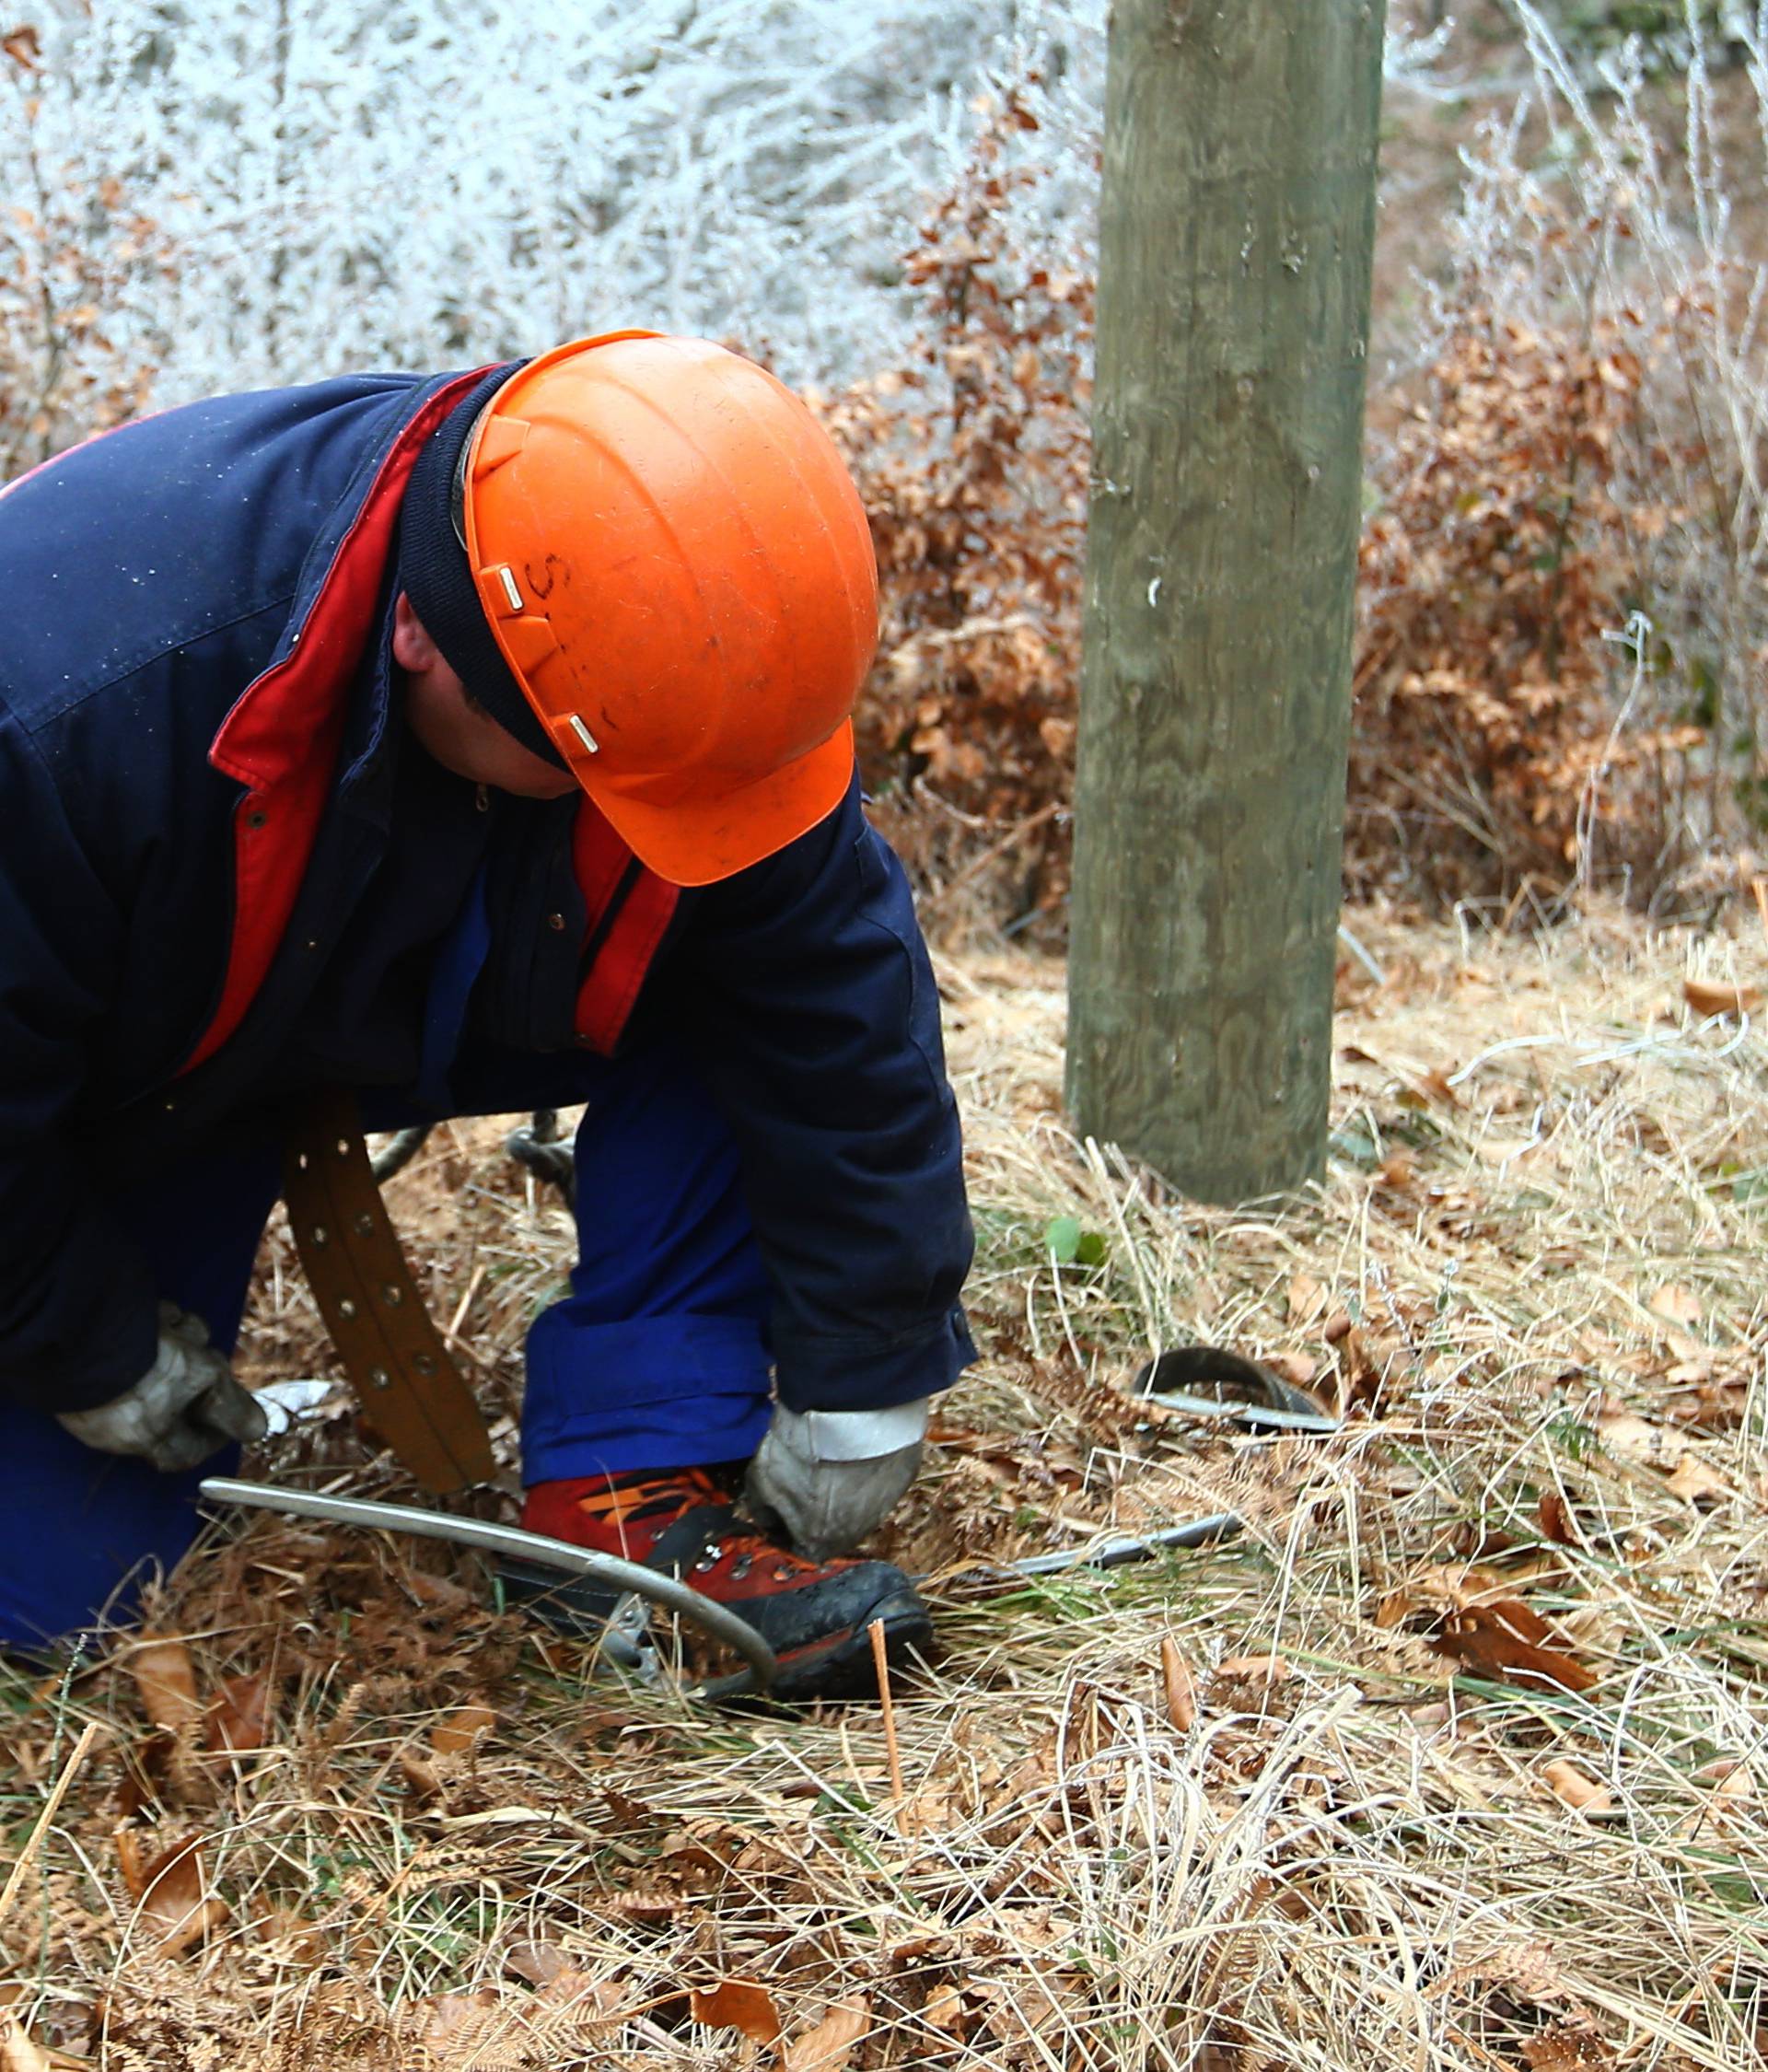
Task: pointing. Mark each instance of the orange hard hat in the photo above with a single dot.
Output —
(677, 567)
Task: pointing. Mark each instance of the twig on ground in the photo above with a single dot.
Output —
(880, 1662)
(70, 1770)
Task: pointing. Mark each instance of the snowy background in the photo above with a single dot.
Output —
(229, 192)
(326, 184)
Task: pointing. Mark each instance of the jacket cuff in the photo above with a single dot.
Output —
(106, 1364)
(818, 1373)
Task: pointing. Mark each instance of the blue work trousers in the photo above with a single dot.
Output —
(656, 1358)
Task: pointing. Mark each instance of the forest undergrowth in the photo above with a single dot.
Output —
(1454, 1758)
(1561, 654)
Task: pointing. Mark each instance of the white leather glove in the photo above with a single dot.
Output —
(828, 1476)
(185, 1407)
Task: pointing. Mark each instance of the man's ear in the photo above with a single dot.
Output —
(413, 649)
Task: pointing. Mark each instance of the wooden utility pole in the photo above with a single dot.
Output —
(1236, 235)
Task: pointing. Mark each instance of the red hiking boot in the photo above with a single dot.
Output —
(814, 1614)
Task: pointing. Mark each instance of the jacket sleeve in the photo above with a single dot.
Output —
(77, 1317)
(806, 993)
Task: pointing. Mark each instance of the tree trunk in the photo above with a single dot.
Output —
(1237, 230)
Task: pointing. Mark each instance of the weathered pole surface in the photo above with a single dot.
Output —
(1237, 228)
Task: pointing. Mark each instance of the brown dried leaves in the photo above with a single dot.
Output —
(751, 2009)
(24, 46)
(1709, 1000)
(1511, 1643)
(174, 1904)
(1463, 1616)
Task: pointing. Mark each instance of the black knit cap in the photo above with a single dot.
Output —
(435, 573)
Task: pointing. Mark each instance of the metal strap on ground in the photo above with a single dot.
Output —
(413, 1393)
(1114, 1552)
(721, 1624)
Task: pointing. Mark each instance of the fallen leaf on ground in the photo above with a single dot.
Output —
(1644, 1445)
(1571, 1788)
(1554, 1516)
(1676, 1304)
(1696, 1483)
(1307, 1298)
(461, 1729)
(301, 1937)
(132, 1861)
(1567, 2050)
(539, 1962)
(18, 2052)
(1265, 1669)
(1181, 1686)
(830, 2045)
(1709, 1401)
(419, 1774)
(1514, 1645)
(166, 1680)
(1299, 1369)
(172, 1899)
(238, 1715)
(457, 2018)
(561, 1986)
(1426, 1087)
(945, 2011)
(1637, 1440)
(736, 2003)
(1708, 999)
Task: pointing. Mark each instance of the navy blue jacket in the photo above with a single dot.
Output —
(208, 790)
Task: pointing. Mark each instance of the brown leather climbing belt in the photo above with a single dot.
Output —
(410, 1390)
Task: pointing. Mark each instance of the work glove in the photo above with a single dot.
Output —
(828, 1476)
(185, 1407)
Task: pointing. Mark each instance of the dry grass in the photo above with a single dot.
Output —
(1327, 1832)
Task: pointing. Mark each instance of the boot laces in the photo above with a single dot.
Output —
(657, 1501)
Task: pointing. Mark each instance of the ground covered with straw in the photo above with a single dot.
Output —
(1455, 1757)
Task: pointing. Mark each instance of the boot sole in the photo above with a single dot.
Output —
(843, 1665)
(838, 1665)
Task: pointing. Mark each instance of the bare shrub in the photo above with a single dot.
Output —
(1492, 563)
(354, 185)
(972, 459)
(1560, 669)
(72, 252)
(1589, 453)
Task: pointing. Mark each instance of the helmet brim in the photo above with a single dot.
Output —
(701, 842)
